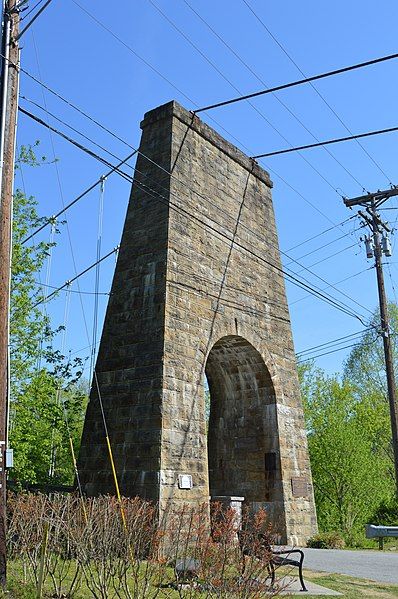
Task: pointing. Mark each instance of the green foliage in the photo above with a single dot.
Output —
(42, 380)
(39, 433)
(386, 513)
(365, 367)
(28, 324)
(351, 476)
(349, 435)
(326, 540)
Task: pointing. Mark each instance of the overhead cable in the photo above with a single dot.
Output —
(276, 96)
(277, 88)
(332, 342)
(80, 274)
(247, 150)
(327, 142)
(316, 90)
(79, 197)
(253, 106)
(106, 129)
(343, 222)
(172, 205)
(332, 351)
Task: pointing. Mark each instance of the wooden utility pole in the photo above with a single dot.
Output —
(376, 248)
(8, 120)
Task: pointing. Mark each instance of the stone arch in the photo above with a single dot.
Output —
(243, 440)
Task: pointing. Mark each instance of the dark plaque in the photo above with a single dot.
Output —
(300, 486)
(270, 461)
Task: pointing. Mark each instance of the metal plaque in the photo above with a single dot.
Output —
(300, 487)
(185, 481)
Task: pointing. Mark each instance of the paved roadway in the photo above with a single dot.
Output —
(380, 566)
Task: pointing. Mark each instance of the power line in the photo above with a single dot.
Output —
(324, 280)
(257, 110)
(244, 308)
(79, 197)
(343, 222)
(110, 132)
(73, 290)
(248, 151)
(290, 277)
(148, 64)
(31, 10)
(332, 342)
(321, 96)
(162, 168)
(271, 90)
(77, 276)
(72, 141)
(130, 49)
(344, 249)
(99, 397)
(332, 351)
(327, 142)
(326, 245)
(54, 116)
(337, 283)
(33, 19)
(293, 279)
(278, 99)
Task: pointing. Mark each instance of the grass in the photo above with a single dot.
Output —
(351, 588)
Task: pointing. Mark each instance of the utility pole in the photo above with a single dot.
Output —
(8, 121)
(378, 244)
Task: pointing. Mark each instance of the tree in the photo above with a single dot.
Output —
(40, 434)
(365, 369)
(350, 476)
(44, 384)
(365, 366)
(28, 324)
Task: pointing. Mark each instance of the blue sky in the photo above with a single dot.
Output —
(175, 55)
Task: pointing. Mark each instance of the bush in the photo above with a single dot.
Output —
(386, 514)
(326, 540)
(119, 549)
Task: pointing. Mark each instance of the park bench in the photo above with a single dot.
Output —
(380, 532)
(276, 557)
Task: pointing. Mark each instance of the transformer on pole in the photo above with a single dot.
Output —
(378, 244)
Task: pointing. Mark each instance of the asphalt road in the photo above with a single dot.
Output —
(380, 566)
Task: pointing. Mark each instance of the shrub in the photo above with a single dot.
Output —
(326, 540)
(386, 513)
(119, 550)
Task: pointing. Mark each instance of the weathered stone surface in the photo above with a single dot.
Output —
(198, 289)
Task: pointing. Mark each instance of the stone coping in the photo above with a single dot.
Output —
(187, 117)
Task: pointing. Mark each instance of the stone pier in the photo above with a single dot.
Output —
(198, 294)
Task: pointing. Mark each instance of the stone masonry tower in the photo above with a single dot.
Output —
(198, 294)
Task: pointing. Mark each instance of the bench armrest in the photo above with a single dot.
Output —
(288, 552)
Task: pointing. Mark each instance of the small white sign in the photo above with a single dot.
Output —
(185, 481)
(9, 458)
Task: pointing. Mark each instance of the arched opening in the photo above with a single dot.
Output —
(243, 446)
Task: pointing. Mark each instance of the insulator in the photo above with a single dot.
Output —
(369, 247)
(386, 245)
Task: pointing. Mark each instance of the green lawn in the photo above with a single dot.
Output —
(352, 588)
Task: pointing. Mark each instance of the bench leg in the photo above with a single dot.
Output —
(271, 571)
(303, 587)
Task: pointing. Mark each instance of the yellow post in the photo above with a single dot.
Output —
(42, 562)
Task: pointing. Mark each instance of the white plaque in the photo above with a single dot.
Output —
(184, 481)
